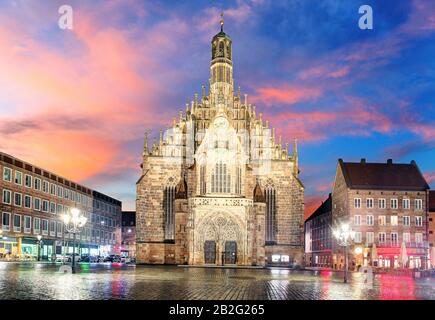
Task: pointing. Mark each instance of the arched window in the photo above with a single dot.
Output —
(168, 206)
(221, 49)
(214, 50)
(270, 214)
(220, 179)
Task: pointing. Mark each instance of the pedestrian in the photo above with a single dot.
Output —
(368, 277)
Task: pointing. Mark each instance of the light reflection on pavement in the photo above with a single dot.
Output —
(105, 281)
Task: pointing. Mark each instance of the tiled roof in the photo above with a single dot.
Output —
(383, 176)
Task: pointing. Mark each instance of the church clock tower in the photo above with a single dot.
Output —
(221, 69)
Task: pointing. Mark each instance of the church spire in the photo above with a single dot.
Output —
(295, 148)
(221, 67)
(222, 22)
(145, 144)
(295, 158)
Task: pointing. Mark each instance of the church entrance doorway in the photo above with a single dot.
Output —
(230, 252)
(210, 252)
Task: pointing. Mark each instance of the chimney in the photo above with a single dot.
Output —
(390, 161)
(413, 163)
(363, 160)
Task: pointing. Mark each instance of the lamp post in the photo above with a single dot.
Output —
(39, 237)
(344, 236)
(74, 222)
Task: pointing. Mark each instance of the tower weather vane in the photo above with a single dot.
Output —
(222, 21)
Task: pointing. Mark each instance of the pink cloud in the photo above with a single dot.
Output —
(311, 204)
(365, 115)
(325, 187)
(97, 76)
(72, 154)
(340, 72)
(424, 130)
(354, 117)
(324, 71)
(422, 18)
(430, 177)
(286, 94)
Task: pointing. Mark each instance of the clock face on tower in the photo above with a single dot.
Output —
(221, 123)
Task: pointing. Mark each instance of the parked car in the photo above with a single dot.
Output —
(125, 260)
(68, 257)
(112, 258)
(88, 258)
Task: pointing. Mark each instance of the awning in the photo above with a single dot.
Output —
(29, 241)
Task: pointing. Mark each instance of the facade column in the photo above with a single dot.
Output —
(19, 245)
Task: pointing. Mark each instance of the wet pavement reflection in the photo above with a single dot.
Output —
(116, 281)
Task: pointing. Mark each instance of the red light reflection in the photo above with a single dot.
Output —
(396, 287)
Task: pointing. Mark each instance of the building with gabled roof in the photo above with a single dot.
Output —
(386, 204)
(318, 236)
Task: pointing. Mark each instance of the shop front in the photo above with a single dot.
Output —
(48, 250)
(390, 258)
(29, 247)
(87, 249)
(8, 247)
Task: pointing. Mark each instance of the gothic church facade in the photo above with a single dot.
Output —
(217, 188)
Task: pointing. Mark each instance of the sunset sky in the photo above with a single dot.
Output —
(77, 102)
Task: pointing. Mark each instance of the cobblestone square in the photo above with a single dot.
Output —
(105, 281)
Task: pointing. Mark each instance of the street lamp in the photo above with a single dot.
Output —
(39, 237)
(344, 236)
(74, 222)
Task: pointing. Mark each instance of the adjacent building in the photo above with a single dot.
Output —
(128, 244)
(218, 187)
(32, 201)
(386, 205)
(318, 241)
(106, 221)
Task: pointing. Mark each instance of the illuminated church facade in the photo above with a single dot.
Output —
(217, 188)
